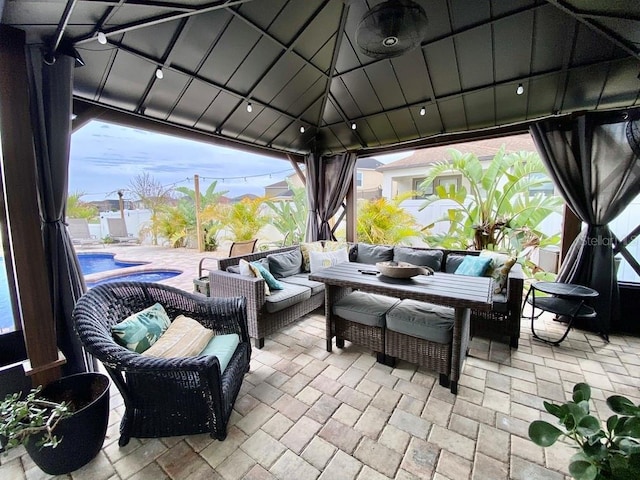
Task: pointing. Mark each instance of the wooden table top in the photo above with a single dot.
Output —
(441, 288)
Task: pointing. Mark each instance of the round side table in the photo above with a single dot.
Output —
(566, 300)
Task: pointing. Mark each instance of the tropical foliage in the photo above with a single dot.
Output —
(243, 219)
(290, 217)
(383, 221)
(76, 208)
(208, 213)
(496, 211)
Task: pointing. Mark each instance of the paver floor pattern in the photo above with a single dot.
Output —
(303, 413)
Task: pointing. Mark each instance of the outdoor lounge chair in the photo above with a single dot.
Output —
(79, 232)
(166, 396)
(118, 231)
(242, 248)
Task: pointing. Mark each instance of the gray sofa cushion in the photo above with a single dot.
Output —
(422, 320)
(373, 254)
(286, 263)
(366, 308)
(289, 295)
(453, 262)
(423, 258)
(302, 279)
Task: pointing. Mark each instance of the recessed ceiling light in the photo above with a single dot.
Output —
(102, 38)
(423, 112)
(249, 107)
(520, 89)
(159, 73)
(353, 126)
(301, 128)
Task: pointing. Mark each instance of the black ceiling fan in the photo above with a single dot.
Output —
(391, 28)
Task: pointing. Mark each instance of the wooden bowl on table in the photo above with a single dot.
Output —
(402, 269)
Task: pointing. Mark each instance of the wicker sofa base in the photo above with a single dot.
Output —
(497, 326)
(268, 323)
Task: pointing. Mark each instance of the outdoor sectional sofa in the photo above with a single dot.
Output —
(268, 314)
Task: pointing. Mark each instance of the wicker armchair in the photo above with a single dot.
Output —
(166, 396)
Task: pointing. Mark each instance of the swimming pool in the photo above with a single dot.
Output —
(102, 262)
(148, 276)
(89, 263)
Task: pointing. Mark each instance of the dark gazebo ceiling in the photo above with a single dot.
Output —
(297, 63)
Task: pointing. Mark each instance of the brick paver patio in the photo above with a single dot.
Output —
(303, 413)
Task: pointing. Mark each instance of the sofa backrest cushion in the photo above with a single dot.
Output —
(373, 254)
(285, 264)
(422, 258)
(453, 262)
(474, 266)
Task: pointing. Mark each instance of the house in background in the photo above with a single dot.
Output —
(368, 182)
(407, 174)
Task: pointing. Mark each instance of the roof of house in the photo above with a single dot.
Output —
(368, 163)
(482, 148)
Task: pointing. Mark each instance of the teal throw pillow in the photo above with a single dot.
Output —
(266, 274)
(139, 331)
(473, 266)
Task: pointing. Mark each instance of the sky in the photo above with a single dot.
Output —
(107, 157)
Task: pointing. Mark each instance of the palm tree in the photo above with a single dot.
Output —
(382, 221)
(498, 211)
(208, 212)
(243, 219)
(77, 208)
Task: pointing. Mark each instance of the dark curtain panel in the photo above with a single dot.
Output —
(593, 159)
(51, 107)
(328, 181)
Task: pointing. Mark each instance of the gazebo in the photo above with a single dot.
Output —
(319, 82)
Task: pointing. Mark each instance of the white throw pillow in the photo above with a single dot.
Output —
(320, 260)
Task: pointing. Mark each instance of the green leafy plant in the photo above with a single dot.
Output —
(77, 208)
(21, 417)
(498, 210)
(290, 217)
(611, 453)
(383, 221)
(243, 219)
(153, 196)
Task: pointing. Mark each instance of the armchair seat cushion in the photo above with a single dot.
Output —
(223, 347)
(289, 295)
(302, 279)
(422, 320)
(365, 308)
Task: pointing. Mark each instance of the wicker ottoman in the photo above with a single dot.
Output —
(360, 318)
(421, 333)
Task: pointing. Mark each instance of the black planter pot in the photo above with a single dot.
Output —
(81, 434)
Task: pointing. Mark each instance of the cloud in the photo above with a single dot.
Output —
(106, 157)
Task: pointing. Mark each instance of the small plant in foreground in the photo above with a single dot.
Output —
(22, 417)
(613, 453)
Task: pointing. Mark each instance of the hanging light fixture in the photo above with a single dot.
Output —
(249, 107)
(520, 89)
(301, 128)
(353, 125)
(159, 73)
(102, 38)
(423, 111)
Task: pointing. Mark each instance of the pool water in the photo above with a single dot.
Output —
(151, 276)
(89, 263)
(102, 262)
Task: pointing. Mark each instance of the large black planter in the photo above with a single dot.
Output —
(82, 434)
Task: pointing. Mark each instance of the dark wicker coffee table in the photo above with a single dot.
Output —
(460, 292)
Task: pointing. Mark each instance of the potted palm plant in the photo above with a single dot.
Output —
(62, 426)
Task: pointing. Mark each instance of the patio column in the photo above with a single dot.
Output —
(19, 171)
